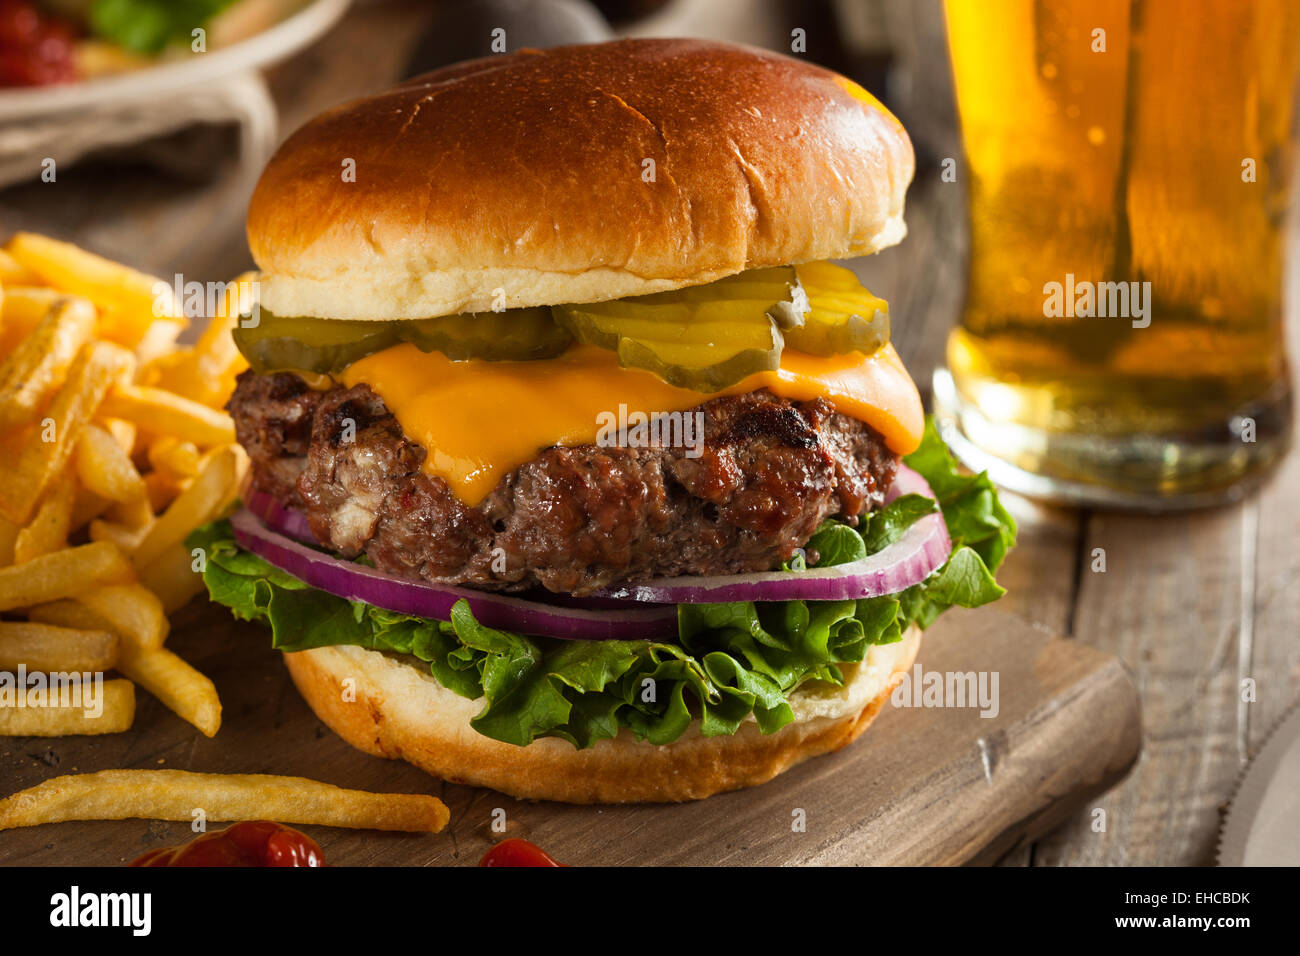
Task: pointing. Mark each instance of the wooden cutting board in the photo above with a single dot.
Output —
(922, 786)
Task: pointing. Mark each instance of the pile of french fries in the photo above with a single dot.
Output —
(113, 447)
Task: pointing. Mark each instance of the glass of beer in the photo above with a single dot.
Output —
(1122, 339)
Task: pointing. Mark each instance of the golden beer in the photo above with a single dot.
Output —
(1122, 338)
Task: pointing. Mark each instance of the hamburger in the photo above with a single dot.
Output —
(578, 469)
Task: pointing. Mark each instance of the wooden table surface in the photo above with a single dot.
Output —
(924, 785)
(1194, 604)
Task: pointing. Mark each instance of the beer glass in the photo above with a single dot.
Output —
(1122, 337)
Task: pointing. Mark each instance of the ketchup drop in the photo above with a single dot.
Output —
(253, 843)
(516, 852)
(35, 50)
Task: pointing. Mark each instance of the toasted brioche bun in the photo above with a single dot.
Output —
(527, 173)
(400, 711)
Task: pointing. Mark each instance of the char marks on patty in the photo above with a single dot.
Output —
(571, 520)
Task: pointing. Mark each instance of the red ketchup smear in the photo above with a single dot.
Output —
(255, 843)
(35, 50)
(516, 852)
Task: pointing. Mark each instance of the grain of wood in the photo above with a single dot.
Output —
(1273, 658)
(1169, 605)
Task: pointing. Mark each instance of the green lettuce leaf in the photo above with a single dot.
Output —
(147, 26)
(884, 527)
(729, 661)
(970, 505)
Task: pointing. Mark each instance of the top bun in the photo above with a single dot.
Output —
(523, 179)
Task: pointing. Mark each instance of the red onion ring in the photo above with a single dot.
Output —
(357, 582)
(922, 549)
(289, 522)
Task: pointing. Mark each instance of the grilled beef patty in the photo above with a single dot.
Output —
(572, 519)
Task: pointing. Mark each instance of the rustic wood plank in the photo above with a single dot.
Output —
(1204, 601)
(1272, 655)
(924, 785)
(1169, 605)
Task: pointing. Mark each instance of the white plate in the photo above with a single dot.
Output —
(311, 19)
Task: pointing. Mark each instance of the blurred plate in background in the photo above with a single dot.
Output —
(306, 20)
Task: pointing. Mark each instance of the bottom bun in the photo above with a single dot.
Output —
(393, 709)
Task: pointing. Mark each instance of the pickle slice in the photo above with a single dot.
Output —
(513, 335)
(327, 346)
(290, 343)
(844, 316)
(705, 337)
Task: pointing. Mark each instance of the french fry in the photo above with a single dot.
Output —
(210, 490)
(94, 370)
(87, 507)
(131, 301)
(66, 612)
(160, 412)
(175, 683)
(241, 471)
(112, 713)
(162, 490)
(62, 574)
(135, 515)
(21, 310)
(14, 443)
(48, 530)
(70, 268)
(173, 795)
(180, 688)
(157, 340)
(206, 373)
(132, 611)
(36, 368)
(126, 538)
(8, 539)
(176, 458)
(13, 272)
(241, 295)
(123, 432)
(105, 468)
(172, 577)
(26, 305)
(48, 647)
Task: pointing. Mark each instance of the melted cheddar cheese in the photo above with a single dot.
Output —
(480, 420)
